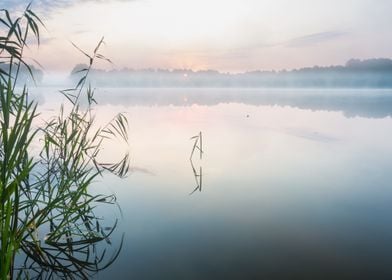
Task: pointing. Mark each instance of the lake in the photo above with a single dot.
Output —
(296, 184)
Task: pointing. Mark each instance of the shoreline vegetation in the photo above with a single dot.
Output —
(48, 226)
(370, 73)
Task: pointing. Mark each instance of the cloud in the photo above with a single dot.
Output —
(244, 51)
(48, 6)
(43, 40)
(80, 31)
(314, 38)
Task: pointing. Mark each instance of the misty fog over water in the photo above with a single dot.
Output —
(371, 73)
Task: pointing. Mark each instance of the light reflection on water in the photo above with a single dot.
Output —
(293, 190)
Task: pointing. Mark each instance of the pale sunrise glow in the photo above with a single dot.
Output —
(229, 35)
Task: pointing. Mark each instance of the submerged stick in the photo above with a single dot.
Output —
(197, 145)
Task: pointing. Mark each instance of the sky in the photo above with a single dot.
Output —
(225, 35)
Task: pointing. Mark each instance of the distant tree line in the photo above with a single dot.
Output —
(24, 75)
(370, 73)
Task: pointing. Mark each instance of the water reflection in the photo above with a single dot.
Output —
(309, 198)
(75, 260)
(80, 253)
(198, 178)
(363, 103)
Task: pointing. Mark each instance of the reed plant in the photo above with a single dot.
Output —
(46, 209)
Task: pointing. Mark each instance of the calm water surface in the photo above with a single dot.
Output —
(295, 184)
